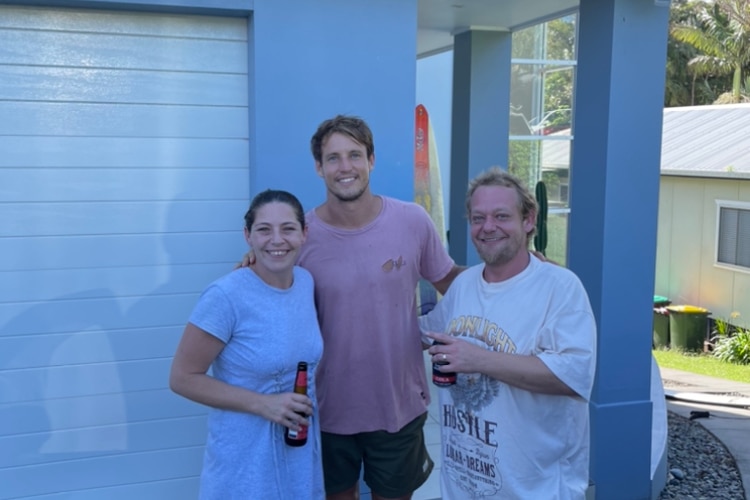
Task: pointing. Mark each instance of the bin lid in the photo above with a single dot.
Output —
(688, 309)
(658, 299)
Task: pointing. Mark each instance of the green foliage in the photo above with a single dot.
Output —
(557, 239)
(680, 82)
(554, 40)
(715, 39)
(734, 348)
(703, 364)
(731, 342)
(561, 38)
(723, 328)
(521, 156)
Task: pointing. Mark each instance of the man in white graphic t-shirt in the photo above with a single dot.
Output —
(521, 335)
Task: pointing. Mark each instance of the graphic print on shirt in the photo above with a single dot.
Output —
(471, 446)
(392, 264)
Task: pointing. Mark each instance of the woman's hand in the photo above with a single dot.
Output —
(288, 409)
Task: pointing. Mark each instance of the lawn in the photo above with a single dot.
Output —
(703, 364)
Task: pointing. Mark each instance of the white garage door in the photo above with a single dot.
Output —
(123, 183)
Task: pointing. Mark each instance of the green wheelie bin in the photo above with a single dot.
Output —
(688, 326)
(661, 322)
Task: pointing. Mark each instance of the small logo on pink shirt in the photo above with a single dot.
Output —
(391, 264)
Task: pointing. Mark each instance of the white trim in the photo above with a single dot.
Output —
(545, 62)
(739, 205)
(705, 174)
(540, 137)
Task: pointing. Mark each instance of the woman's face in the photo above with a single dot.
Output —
(276, 238)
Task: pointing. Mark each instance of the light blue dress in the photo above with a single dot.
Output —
(267, 331)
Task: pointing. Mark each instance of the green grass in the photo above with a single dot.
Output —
(703, 364)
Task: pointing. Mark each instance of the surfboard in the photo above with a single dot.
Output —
(428, 192)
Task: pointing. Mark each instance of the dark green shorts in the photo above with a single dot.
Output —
(395, 463)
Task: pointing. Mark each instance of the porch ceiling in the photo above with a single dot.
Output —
(439, 20)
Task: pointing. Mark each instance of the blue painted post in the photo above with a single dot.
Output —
(481, 100)
(614, 206)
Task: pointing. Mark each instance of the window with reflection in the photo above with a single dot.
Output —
(541, 118)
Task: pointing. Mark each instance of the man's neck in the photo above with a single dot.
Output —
(350, 214)
(502, 272)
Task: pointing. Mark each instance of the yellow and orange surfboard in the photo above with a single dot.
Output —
(428, 191)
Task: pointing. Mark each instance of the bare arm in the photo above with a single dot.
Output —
(523, 371)
(443, 284)
(188, 377)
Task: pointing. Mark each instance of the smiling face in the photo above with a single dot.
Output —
(345, 167)
(276, 236)
(498, 230)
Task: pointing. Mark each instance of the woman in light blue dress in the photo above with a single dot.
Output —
(251, 328)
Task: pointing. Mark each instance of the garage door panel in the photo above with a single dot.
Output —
(133, 24)
(132, 184)
(106, 409)
(102, 440)
(126, 120)
(46, 84)
(103, 50)
(106, 313)
(100, 472)
(183, 487)
(56, 219)
(101, 251)
(22, 286)
(85, 348)
(85, 379)
(123, 181)
(123, 152)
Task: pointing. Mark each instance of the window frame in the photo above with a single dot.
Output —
(729, 204)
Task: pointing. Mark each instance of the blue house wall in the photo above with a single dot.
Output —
(118, 209)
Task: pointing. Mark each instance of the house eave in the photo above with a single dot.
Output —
(703, 174)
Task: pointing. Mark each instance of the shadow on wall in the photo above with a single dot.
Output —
(85, 375)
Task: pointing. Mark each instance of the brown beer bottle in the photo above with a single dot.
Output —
(442, 379)
(292, 437)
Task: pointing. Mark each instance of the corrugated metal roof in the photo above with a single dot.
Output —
(698, 141)
(706, 140)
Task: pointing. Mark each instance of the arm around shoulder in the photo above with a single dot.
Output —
(443, 284)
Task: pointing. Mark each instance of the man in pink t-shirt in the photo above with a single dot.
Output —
(367, 254)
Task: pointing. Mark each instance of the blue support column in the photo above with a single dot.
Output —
(481, 100)
(312, 60)
(614, 206)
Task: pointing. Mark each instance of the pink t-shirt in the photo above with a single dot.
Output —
(372, 376)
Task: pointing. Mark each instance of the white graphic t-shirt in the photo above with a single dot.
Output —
(499, 441)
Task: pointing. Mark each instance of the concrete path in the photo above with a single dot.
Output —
(730, 424)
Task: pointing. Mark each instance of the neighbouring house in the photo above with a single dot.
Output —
(703, 245)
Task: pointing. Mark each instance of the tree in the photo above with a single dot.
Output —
(720, 32)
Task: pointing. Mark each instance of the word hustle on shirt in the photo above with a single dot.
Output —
(469, 425)
(466, 423)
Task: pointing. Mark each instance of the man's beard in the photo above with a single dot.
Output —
(351, 196)
(502, 255)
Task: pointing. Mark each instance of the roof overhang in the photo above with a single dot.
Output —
(439, 20)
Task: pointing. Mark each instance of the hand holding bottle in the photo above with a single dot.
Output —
(288, 409)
